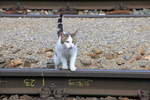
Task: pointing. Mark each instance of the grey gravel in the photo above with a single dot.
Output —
(86, 61)
(14, 97)
(33, 97)
(23, 37)
(2, 60)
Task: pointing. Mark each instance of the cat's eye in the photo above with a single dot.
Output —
(67, 41)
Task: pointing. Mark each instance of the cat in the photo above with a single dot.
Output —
(65, 49)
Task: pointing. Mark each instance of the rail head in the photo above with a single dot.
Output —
(71, 16)
(95, 73)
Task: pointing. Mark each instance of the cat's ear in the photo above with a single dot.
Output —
(74, 33)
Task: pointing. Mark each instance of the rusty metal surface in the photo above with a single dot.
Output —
(81, 82)
(78, 4)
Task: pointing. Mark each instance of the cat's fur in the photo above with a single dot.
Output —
(65, 49)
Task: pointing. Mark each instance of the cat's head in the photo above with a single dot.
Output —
(68, 39)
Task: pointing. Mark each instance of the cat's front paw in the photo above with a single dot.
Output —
(64, 68)
(73, 68)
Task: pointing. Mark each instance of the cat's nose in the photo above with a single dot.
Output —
(70, 47)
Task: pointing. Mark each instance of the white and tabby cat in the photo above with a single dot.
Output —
(65, 49)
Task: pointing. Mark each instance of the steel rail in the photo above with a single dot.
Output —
(84, 82)
(71, 16)
(11, 72)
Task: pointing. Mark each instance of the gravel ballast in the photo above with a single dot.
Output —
(103, 43)
(27, 97)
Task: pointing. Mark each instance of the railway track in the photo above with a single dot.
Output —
(61, 84)
(83, 82)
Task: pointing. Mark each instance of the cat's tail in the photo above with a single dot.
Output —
(60, 25)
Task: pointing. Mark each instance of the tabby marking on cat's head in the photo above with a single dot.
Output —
(68, 40)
